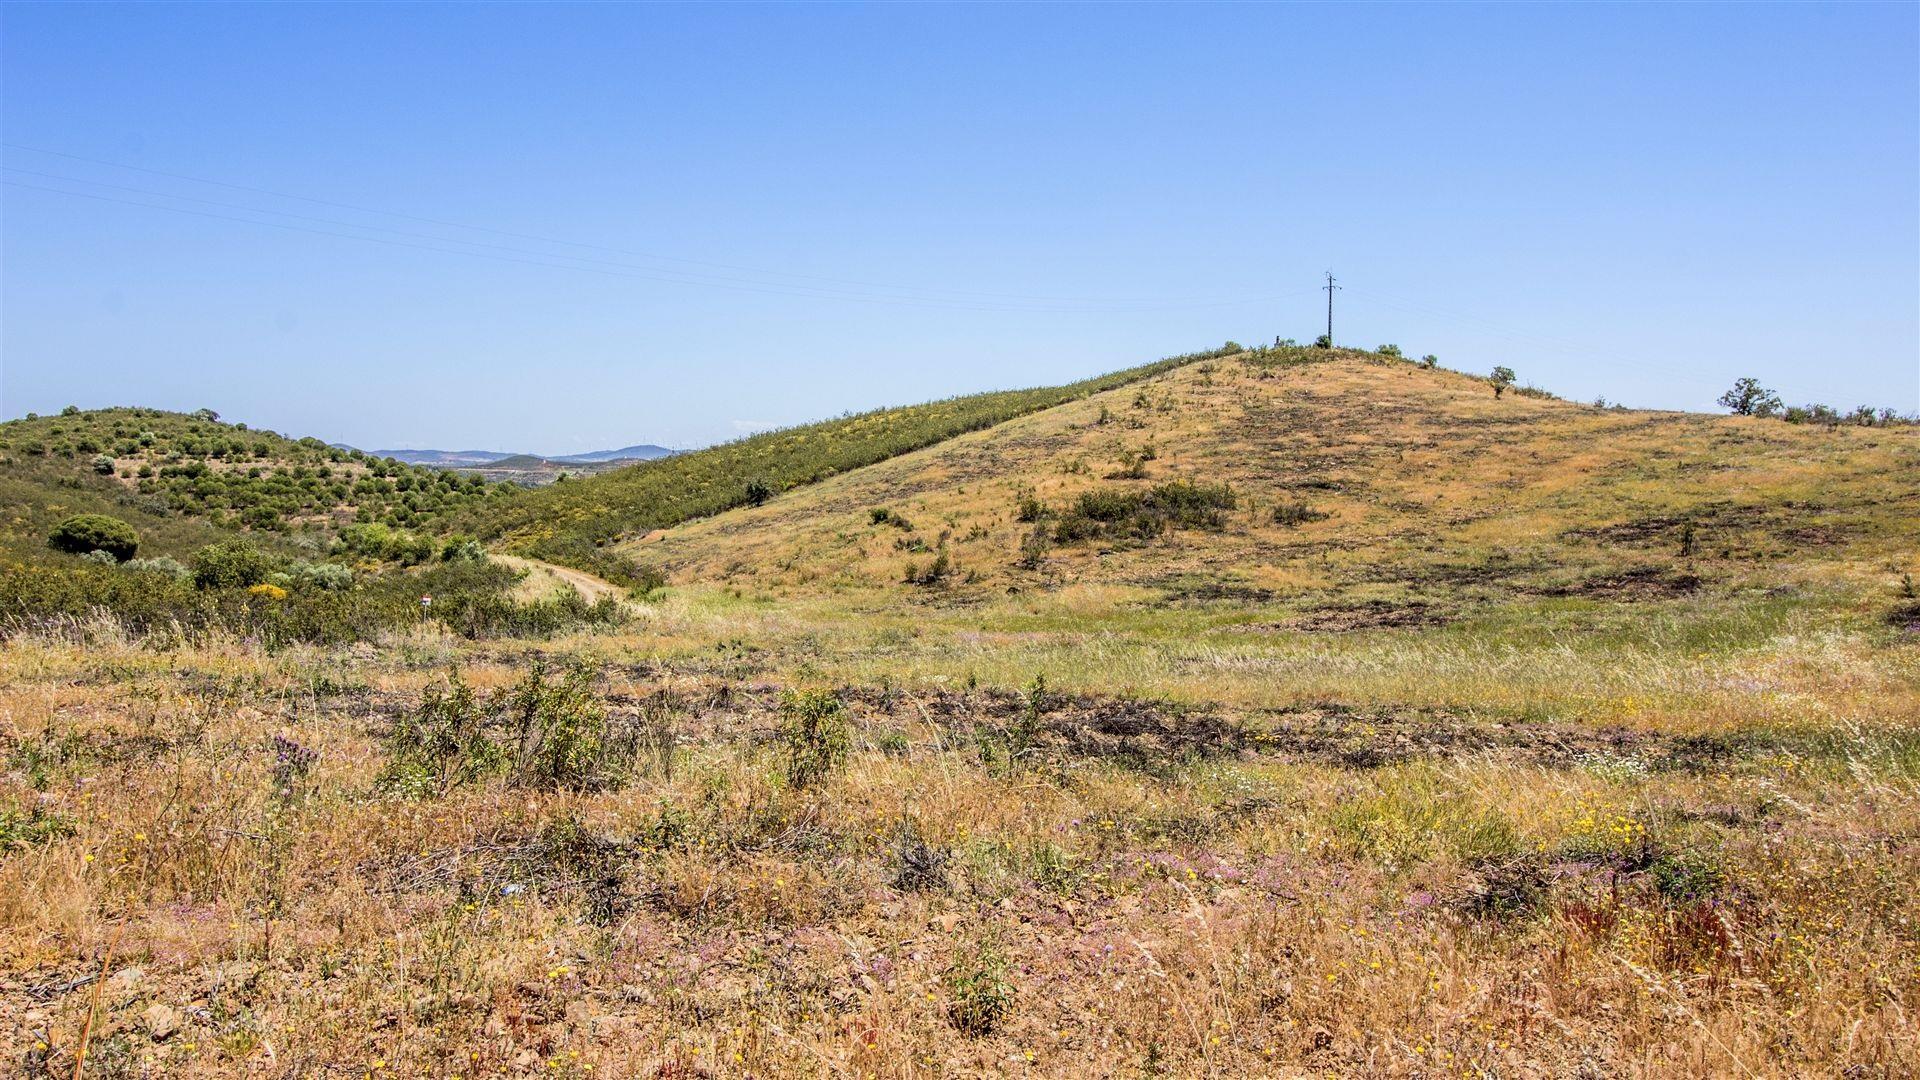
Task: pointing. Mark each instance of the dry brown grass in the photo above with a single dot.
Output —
(1574, 821)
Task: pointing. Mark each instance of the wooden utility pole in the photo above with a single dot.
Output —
(1330, 286)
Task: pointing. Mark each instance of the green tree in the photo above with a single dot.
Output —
(83, 533)
(1749, 398)
(1501, 378)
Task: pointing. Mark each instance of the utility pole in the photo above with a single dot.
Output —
(1330, 286)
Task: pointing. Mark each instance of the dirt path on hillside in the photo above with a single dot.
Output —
(543, 578)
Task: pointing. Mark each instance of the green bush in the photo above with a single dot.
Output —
(1389, 350)
(83, 533)
(544, 733)
(980, 993)
(231, 564)
(462, 549)
(441, 745)
(1297, 513)
(813, 731)
(564, 737)
(1143, 515)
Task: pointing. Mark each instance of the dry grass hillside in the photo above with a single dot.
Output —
(1569, 742)
(1367, 493)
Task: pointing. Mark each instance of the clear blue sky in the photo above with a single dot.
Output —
(1641, 202)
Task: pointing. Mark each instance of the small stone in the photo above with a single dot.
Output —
(126, 978)
(160, 1020)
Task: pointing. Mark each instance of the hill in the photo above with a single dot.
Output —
(1277, 712)
(186, 478)
(572, 524)
(440, 457)
(1348, 491)
(639, 452)
(464, 458)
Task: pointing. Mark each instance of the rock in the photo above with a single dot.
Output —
(126, 979)
(160, 1020)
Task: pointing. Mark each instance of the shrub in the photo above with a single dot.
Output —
(230, 564)
(443, 744)
(564, 738)
(1429, 361)
(1389, 350)
(980, 993)
(544, 733)
(462, 549)
(1033, 549)
(377, 541)
(1324, 341)
(813, 732)
(937, 569)
(326, 576)
(1297, 513)
(83, 533)
(917, 865)
(1502, 378)
(103, 464)
(1133, 466)
(758, 491)
(1144, 514)
(163, 565)
(1030, 508)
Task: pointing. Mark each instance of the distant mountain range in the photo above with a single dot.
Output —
(459, 458)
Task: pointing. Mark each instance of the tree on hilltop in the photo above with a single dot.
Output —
(1749, 398)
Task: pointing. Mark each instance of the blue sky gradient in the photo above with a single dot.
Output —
(562, 228)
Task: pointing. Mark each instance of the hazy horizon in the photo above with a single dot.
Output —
(579, 228)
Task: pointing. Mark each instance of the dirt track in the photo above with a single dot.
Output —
(543, 577)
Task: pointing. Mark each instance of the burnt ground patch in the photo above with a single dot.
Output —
(1631, 584)
(1367, 615)
(1195, 590)
(1789, 523)
(1150, 733)
(1906, 618)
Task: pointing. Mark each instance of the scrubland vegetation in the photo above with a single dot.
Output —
(572, 524)
(193, 465)
(1292, 712)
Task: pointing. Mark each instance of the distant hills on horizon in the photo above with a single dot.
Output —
(471, 458)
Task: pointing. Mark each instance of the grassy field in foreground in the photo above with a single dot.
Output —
(1572, 742)
(1376, 854)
